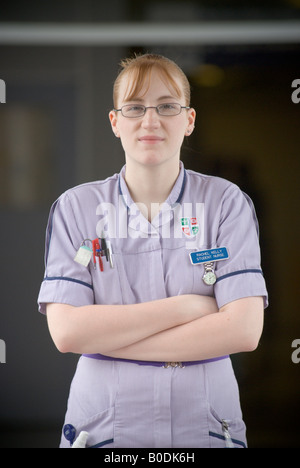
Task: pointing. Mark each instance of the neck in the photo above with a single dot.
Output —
(150, 186)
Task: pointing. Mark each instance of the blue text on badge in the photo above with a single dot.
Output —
(207, 256)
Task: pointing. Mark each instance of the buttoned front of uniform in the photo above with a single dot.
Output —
(147, 251)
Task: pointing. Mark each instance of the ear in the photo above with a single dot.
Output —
(114, 122)
(191, 122)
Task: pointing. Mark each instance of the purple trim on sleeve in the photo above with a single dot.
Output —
(240, 272)
(72, 280)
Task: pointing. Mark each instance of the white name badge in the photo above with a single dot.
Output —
(209, 256)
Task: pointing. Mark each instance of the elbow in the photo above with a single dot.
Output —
(251, 340)
(253, 333)
(63, 345)
(248, 320)
(251, 344)
(59, 324)
(63, 342)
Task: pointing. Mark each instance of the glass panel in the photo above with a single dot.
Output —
(26, 177)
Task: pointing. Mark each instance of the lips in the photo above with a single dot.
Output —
(151, 139)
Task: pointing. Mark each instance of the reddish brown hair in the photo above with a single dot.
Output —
(139, 69)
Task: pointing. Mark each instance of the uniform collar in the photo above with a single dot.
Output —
(174, 197)
(166, 213)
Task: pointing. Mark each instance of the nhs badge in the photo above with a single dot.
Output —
(209, 256)
(190, 227)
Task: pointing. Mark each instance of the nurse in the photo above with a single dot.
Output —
(153, 276)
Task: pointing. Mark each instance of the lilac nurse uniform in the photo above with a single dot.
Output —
(123, 403)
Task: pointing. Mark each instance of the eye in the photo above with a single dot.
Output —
(167, 106)
(133, 110)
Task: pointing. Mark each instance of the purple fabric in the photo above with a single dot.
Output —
(101, 357)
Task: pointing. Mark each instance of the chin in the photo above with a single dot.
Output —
(151, 160)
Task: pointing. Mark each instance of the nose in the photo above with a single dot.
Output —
(151, 118)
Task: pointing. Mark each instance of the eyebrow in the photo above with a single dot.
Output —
(162, 98)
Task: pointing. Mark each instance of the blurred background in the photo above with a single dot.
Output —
(59, 61)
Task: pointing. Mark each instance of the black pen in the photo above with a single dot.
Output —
(104, 247)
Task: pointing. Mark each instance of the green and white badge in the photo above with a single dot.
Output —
(190, 227)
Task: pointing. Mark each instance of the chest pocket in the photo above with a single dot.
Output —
(106, 284)
(141, 276)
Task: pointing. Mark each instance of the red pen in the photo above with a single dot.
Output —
(97, 253)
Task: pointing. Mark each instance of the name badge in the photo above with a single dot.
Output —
(209, 256)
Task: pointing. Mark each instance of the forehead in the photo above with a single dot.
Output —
(138, 85)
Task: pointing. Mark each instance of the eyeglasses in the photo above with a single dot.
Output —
(133, 111)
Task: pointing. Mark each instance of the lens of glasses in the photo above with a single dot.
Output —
(133, 111)
(169, 109)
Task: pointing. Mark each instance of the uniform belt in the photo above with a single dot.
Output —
(166, 365)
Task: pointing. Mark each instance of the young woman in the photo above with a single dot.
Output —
(171, 285)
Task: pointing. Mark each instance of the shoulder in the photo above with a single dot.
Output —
(210, 184)
(217, 193)
(90, 192)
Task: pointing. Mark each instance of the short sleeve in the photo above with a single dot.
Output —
(65, 280)
(241, 275)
